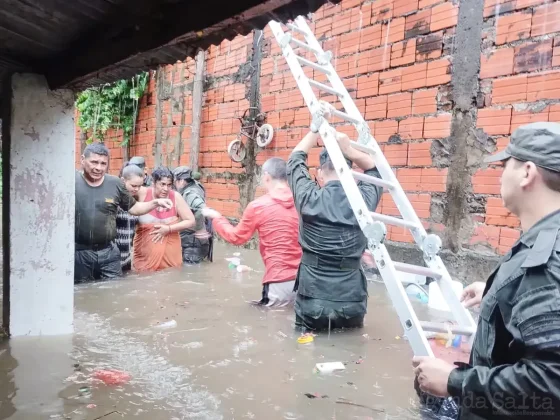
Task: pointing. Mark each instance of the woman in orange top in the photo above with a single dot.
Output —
(157, 244)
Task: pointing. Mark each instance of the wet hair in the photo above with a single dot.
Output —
(97, 149)
(131, 170)
(162, 172)
(276, 168)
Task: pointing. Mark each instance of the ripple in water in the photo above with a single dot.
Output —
(159, 379)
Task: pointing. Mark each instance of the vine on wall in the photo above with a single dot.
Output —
(111, 106)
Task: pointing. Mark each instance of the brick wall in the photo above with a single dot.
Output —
(395, 57)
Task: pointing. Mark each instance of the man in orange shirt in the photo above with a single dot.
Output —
(276, 220)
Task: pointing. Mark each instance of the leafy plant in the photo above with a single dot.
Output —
(111, 106)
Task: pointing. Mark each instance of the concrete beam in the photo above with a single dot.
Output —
(41, 209)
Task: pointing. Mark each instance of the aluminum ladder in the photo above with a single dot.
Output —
(371, 223)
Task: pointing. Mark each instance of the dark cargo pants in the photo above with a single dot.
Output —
(318, 314)
(195, 249)
(96, 262)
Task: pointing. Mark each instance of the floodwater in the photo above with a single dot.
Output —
(215, 356)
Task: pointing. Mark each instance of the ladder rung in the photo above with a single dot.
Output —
(372, 180)
(394, 220)
(416, 269)
(304, 45)
(442, 328)
(296, 28)
(311, 64)
(362, 148)
(345, 116)
(325, 88)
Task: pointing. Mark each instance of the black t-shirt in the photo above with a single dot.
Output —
(96, 209)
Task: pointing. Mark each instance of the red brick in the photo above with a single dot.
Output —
(429, 46)
(385, 129)
(525, 117)
(393, 31)
(487, 181)
(444, 16)
(556, 52)
(399, 105)
(543, 86)
(420, 203)
(424, 101)
(486, 235)
(508, 237)
(426, 3)
(532, 57)
(554, 114)
(414, 77)
(521, 4)
(368, 85)
(419, 154)
(390, 81)
(437, 127)
(396, 154)
(381, 10)
(342, 23)
(424, 179)
(403, 53)
(439, 72)
(513, 27)
(546, 20)
(418, 24)
(404, 7)
(510, 90)
(498, 215)
(376, 107)
(499, 63)
(411, 128)
(370, 37)
(349, 43)
(494, 121)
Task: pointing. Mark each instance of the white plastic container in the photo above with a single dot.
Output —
(329, 367)
(435, 297)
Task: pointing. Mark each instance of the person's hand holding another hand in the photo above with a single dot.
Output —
(164, 202)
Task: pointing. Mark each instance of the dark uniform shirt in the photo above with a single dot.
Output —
(329, 235)
(96, 209)
(515, 361)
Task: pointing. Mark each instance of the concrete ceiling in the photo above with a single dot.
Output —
(80, 43)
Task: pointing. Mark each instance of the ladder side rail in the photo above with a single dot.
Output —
(410, 323)
(349, 105)
(461, 314)
(399, 196)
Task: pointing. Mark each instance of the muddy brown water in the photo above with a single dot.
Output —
(224, 358)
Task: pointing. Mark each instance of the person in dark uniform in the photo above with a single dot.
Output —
(141, 163)
(331, 285)
(197, 243)
(514, 366)
(98, 198)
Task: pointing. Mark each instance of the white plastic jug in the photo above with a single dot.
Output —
(435, 297)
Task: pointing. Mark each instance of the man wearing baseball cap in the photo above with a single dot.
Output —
(514, 367)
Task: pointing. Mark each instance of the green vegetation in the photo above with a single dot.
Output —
(111, 106)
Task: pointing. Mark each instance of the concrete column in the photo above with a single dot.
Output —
(41, 209)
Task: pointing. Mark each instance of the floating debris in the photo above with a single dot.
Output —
(166, 325)
(305, 339)
(329, 367)
(112, 377)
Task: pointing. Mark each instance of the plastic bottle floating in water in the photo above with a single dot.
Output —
(233, 262)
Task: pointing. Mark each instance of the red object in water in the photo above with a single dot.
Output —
(112, 377)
